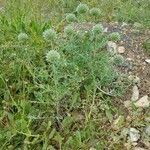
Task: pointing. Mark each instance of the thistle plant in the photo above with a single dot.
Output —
(71, 18)
(95, 12)
(82, 8)
(115, 36)
(52, 56)
(49, 35)
(69, 30)
(118, 60)
(22, 37)
(74, 74)
(97, 29)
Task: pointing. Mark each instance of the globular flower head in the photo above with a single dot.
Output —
(49, 34)
(118, 60)
(52, 56)
(82, 8)
(97, 29)
(69, 30)
(95, 12)
(70, 18)
(22, 37)
(115, 36)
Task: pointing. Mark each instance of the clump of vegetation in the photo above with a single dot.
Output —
(70, 18)
(49, 34)
(52, 56)
(118, 60)
(82, 8)
(95, 12)
(55, 87)
(115, 36)
(22, 37)
(97, 29)
(69, 30)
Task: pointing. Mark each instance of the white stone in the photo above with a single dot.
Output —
(121, 49)
(135, 93)
(112, 47)
(148, 61)
(105, 30)
(134, 135)
(142, 102)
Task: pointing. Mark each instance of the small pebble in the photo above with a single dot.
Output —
(143, 102)
(105, 30)
(129, 118)
(121, 49)
(148, 61)
(129, 59)
(134, 135)
(135, 93)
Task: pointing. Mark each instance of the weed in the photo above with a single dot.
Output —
(55, 87)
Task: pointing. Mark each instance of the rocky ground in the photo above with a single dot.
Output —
(133, 124)
(136, 100)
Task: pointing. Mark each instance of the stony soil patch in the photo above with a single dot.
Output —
(139, 70)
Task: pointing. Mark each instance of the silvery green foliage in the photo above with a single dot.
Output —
(22, 37)
(97, 29)
(49, 34)
(70, 18)
(115, 36)
(52, 56)
(69, 30)
(118, 60)
(82, 8)
(95, 12)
